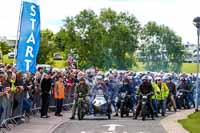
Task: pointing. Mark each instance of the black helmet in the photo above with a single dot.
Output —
(182, 79)
(168, 78)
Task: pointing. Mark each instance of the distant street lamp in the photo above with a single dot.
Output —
(196, 22)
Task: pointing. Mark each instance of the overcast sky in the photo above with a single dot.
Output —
(177, 14)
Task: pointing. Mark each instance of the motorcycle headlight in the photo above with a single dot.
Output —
(123, 95)
(79, 94)
(143, 102)
(145, 97)
(81, 99)
(116, 99)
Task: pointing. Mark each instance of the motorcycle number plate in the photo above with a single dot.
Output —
(99, 98)
(143, 102)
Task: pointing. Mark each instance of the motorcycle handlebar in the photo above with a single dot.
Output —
(182, 90)
(148, 94)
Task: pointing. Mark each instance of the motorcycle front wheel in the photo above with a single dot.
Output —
(122, 110)
(109, 111)
(144, 109)
(80, 113)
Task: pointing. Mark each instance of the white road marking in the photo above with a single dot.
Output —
(112, 127)
(83, 132)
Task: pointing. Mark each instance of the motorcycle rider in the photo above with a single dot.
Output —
(191, 93)
(127, 89)
(172, 92)
(83, 88)
(162, 97)
(184, 85)
(100, 84)
(111, 92)
(90, 80)
(133, 85)
(145, 88)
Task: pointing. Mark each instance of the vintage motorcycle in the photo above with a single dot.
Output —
(83, 107)
(102, 104)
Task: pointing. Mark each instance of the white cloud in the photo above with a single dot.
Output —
(177, 14)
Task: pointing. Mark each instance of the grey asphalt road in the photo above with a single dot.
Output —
(115, 125)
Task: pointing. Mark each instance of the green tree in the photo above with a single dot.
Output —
(109, 40)
(122, 33)
(47, 47)
(104, 41)
(175, 49)
(83, 34)
(162, 48)
(4, 48)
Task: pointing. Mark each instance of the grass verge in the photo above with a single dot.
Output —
(192, 123)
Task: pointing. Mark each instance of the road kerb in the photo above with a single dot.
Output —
(57, 125)
(170, 123)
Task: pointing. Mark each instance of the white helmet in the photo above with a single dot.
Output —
(99, 77)
(130, 77)
(106, 79)
(158, 78)
(150, 78)
(145, 77)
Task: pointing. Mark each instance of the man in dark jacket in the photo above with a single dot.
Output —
(172, 92)
(2, 92)
(186, 89)
(18, 96)
(144, 89)
(83, 88)
(111, 92)
(125, 89)
(45, 89)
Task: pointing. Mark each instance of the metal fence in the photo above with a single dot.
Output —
(17, 108)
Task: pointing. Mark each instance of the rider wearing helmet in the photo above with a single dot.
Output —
(83, 88)
(172, 92)
(145, 88)
(111, 91)
(184, 85)
(127, 89)
(100, 84)
(133, 85)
